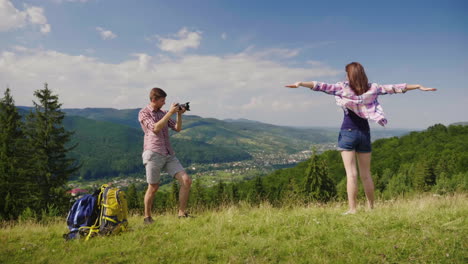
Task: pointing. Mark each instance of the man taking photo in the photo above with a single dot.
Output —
(158, 154)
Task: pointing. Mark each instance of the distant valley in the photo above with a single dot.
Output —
(110, 143)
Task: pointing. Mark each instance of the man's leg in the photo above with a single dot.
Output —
(149, 198)
(153, 163)
(185, 182)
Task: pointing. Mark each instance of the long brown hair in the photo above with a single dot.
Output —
(357, 78)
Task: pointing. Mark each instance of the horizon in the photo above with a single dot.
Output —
(232, 59)
(373, 126)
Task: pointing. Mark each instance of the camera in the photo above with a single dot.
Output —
(186, 106)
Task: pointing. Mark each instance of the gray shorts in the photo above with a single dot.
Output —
(155, 162)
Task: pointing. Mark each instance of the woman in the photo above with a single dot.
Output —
(358, 98)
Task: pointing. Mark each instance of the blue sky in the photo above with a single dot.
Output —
(231, 59)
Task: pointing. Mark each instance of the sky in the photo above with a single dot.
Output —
(231, 59)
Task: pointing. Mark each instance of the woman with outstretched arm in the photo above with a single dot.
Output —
(358, 98)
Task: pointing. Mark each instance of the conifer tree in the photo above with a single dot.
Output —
(259, 189)
(290, 193)
(220, 193)
(424, 176)
(317, 185)
(132, 197)
(198, 194)
(48, 141)
(234, 193)
(16, 189)
(174, 196)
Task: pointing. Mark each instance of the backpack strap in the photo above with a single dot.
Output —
(95, 228)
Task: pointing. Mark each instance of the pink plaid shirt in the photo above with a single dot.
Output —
(364, 105)
(156, 142)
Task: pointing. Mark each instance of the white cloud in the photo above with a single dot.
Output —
(106, 34)
(12, 18)
(181, 41)
(244, 84)
(224, 36)
(71, 1)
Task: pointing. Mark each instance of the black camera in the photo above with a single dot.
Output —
(186, 106)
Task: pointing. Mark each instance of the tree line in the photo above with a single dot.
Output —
(434, 160)
(34, 165)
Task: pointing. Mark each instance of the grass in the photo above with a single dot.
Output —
(425, 229)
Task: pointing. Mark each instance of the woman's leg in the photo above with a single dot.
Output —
(364, 161)
(349, 161)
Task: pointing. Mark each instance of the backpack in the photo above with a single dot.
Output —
(114, 211)
(82, 216)
(103, 213)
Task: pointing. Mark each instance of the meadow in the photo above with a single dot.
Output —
(421, 229)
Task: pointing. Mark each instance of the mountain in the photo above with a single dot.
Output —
(460, 124)
(107, 149)
(241, 133)
(110, 141)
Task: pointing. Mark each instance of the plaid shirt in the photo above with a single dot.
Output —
(364, 105)
(156, 142)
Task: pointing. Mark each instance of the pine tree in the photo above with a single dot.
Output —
(317, 185)
(424, 176)
(132, 197)
(290, 193)
(234, 193)
(16, 189)
(220, 193)
(197, 197)
(174, 195)
(48, 141)
(259, 189)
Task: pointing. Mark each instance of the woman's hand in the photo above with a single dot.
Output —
(295, 85)
(422, 88)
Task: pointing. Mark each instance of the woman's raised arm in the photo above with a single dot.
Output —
(298, 84)
(420, 87)
(319, 86)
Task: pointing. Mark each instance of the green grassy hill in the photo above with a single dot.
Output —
(425, 229)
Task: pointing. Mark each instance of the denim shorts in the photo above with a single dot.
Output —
(353, 139)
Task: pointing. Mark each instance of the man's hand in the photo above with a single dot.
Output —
(295, 85)
(182, 110)
(174, 108)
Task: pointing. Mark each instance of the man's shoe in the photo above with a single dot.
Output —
(186, 215)
(148, 220)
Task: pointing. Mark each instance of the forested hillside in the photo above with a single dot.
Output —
(243, 134)
(110, 140)
(235, 133)
(432, 160)
(435, 159)
(108, 150)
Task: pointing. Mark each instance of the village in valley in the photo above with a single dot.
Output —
(262, 163)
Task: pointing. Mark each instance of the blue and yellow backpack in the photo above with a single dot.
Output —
(103, 213)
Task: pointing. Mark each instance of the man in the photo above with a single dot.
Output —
(157, 151)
